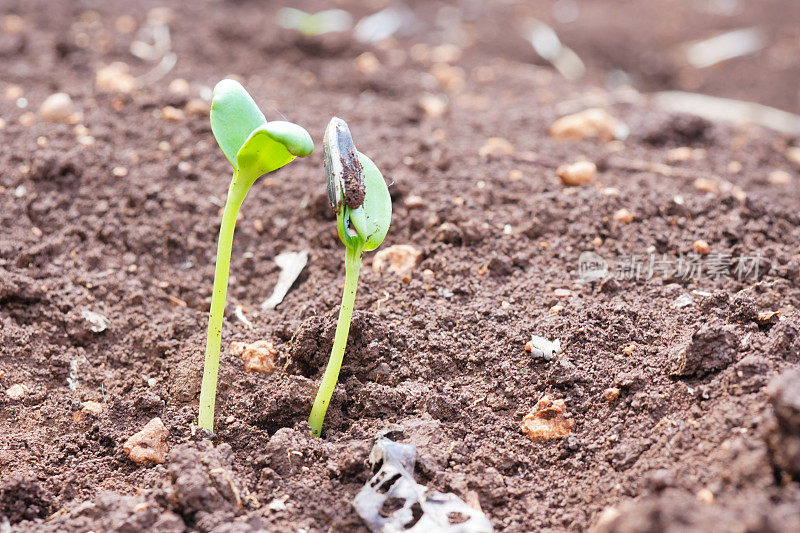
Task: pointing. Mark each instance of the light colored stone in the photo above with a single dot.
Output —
(58, 107)
(701, 247)
(172, 114)
(548, 420)
(258, 356)
(115, 78)
(197, 107)
(592, 123)
(779, 177)
(706, 185)
(398, 258)
(148, 445)
(623, 216)
(793, 154)
(496, 148)
(611, 394)
(367, 63)
(433, 106)
(89, 408)
(577, 174)
(179, 86)
(16, 391)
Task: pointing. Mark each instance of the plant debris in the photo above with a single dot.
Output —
(541, 347)
(292, 264)
(420, 510)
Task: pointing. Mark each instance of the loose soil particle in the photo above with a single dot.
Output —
(443, 353)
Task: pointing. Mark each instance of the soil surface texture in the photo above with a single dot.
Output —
(668, 270)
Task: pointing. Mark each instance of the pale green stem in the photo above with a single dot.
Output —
(352, 264)
(208, 390)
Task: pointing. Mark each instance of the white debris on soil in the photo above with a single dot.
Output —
(682, 301)
(727, 110)
(148, 445)
(239, 313)
(74, 372)
(16, 391)
(541, 347)
(291, 264)
(98, 323)
(395, 481)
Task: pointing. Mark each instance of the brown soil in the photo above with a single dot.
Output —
(704, 435)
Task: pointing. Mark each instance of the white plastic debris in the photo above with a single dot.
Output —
(97, 322)
(291, 263)
(422, 511)
(541, 347)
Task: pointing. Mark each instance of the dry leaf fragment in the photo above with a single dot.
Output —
(548, 420)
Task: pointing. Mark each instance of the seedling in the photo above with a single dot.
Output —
(359, 196)
(254, 147)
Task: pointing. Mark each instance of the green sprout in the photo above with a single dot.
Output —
(254, 147)
(359, 196)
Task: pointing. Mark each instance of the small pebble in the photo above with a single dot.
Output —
(515, 175)
(172, 114)
(27, 119)
(779, 177)
(258, 356)
(705, 496)
(119, 172)
(148, 445)
(611, 394)
(179, 86)
(706, 185)
(588, 124)
(496, 148)
(16, 391)
(793, 154)
(701, 247)
(398, 258)
(367, 63)
(58, 107)
(629, 349)
(115, 78)
(562, 293)
(577, 174)
(623, 216)
(197, 107)
(432, 106)
(13, 92)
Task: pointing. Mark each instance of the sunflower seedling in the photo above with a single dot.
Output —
(363, 207)
(254, 147)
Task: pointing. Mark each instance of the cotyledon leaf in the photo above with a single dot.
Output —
(271, 146)
(234, 117)
(372, 219)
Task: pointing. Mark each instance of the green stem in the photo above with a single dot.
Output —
(208, 390)
(352, 265)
